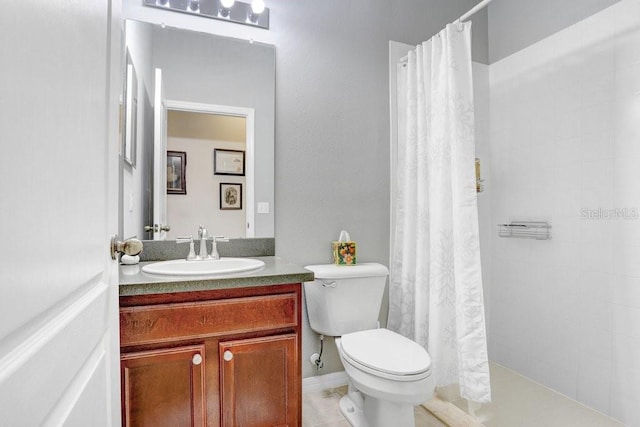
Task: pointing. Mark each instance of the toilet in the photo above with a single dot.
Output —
(388, 373)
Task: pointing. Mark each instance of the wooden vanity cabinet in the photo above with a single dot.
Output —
(212, 358)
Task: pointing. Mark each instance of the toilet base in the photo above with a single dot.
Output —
(352, 412)
(375, 412)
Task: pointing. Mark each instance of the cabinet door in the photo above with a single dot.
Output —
(163, 387)
(259, 380)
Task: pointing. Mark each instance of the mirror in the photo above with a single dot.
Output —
(217, 121)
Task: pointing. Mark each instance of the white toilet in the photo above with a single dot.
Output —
(388, 373)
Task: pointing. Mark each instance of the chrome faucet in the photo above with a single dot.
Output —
(202, 234)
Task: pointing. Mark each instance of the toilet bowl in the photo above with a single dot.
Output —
(388, 373)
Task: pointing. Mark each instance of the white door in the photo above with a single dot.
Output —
(159, 159)
(59, 344)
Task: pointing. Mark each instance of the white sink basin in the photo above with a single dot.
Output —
(213, 267)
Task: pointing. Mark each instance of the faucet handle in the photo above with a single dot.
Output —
(214, 247)
(188, 239)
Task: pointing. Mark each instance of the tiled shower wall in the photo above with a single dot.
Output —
(565, 147)
(483, 153)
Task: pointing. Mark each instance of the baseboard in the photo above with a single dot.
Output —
(323, 382)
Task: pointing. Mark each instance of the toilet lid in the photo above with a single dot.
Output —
(386, 351)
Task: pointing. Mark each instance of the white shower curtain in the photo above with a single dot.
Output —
(436, 280)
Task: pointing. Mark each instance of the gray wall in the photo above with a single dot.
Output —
(332, 120)
(332, 127)
(516, 24)
(332, 117)
(332, 111)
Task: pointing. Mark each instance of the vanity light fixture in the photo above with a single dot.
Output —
(225, 8)
(257, 7)
(254, 14)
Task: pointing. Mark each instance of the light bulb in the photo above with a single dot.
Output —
(257, 6)
(227, 3)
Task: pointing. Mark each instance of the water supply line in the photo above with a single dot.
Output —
(319, 363)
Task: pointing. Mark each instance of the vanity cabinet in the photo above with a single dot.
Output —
(227, 357)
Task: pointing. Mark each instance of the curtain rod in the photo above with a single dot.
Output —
(474, 9)
(464, 17)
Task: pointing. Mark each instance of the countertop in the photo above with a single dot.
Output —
(275, 272)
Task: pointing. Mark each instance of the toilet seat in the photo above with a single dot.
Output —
(386, 354)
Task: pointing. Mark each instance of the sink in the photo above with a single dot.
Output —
(212, 267)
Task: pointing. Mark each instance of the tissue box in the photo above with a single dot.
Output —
(344, 253)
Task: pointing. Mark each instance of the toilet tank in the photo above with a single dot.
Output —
(345, 299)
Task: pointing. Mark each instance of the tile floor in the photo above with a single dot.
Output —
(520, 402)
(517, 402)
(320, 409)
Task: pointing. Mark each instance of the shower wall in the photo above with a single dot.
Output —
(565, 147)
(481, 100)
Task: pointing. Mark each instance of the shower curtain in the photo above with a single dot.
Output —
(436, 282)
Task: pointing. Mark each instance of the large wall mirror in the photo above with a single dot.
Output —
(199, 147)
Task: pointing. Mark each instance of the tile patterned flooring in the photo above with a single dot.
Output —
(517, 402)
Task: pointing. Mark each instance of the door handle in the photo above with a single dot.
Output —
(157, 227)
(129, 247)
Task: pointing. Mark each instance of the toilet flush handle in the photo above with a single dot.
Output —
(331, 284)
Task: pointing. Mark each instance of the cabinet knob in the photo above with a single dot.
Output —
(197, 359)
(228, 356)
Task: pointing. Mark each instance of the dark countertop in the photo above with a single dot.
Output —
(275, 272)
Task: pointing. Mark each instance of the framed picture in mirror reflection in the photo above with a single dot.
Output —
(228, 162)
(230, 196)
(176, 172)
